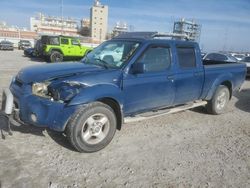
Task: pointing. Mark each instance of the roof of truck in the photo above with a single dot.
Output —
(152, 36)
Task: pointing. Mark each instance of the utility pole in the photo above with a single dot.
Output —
(62, 16)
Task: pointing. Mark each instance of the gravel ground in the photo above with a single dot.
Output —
(187, 149)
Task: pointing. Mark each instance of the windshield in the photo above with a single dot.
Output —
(111, 54)
(24, 41)
(6, 42)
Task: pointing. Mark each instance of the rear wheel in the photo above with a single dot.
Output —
(92, 128)
(218, 103)
(56, 57)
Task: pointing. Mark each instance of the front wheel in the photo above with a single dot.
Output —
(218, 103)
(92, 128)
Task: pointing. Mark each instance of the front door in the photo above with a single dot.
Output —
(154, 88)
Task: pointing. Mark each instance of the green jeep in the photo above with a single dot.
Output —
(59, 48)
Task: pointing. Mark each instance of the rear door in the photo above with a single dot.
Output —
(189, 77)
(153, 88)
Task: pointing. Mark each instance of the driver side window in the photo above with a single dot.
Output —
(156, 59)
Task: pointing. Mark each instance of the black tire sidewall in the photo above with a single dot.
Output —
(81, 145)
(52, 56)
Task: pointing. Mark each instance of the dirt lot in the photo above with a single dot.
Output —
(188, 149)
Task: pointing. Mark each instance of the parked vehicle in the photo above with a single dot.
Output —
(220, 57)
(24, 44)
(247, 61)
(239, 57)
(59, 48)
(6, 45)
(89, 100)
(29, 52)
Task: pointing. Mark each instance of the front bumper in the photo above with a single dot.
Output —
(35, 110)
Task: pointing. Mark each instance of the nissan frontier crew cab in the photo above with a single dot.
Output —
(132, 77)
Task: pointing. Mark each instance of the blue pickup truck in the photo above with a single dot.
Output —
(129, 78)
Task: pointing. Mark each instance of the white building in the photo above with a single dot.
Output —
(14, 34)
(120, 27)
(51, 25)
(99, 21)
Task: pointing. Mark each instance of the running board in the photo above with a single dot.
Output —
(161, 112)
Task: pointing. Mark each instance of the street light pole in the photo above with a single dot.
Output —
(62, 16)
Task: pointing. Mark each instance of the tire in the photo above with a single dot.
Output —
(92, 128)
(218, 103)
(56, 56)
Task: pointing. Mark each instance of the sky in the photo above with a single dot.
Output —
(225, 23)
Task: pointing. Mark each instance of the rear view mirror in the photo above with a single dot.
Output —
(138, 68)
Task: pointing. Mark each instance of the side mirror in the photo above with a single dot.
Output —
(138, 68)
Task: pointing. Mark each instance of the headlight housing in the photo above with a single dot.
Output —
(40, 89)
(61, 92)
(64, 91)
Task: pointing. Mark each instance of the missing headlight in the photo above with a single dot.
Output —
(63, 92)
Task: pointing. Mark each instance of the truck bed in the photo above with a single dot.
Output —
(215, 71)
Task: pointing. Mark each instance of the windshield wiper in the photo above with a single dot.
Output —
(103, 63)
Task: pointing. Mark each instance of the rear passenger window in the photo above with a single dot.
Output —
(156, 59)
(74, 42)
(64, 41)
(186, 57)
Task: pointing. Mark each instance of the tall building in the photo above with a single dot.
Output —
(51, 25)
(99, 21)
(85, 27)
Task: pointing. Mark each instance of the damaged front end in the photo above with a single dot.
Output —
(42, 104)
(61, 92)
(65, 91)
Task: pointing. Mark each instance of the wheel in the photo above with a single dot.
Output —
(92, 128)
(218, 103)
(56, 57)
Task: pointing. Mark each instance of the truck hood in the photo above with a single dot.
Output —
(40, 73)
